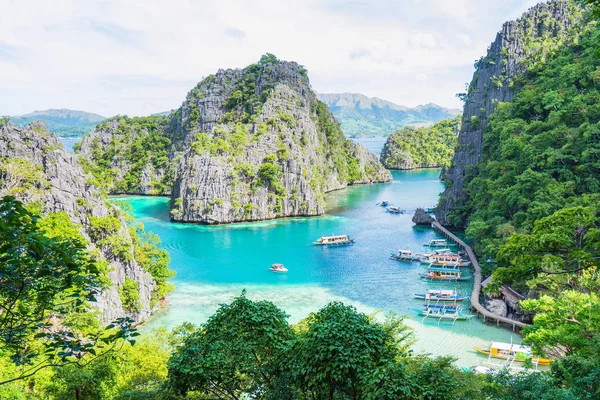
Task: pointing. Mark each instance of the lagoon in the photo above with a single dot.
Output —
(215, 263)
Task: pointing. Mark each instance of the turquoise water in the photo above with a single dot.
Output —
(214, 263)
(69, 142)
(374, 144)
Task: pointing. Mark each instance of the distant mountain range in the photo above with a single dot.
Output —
(63, 122)
(362, 116)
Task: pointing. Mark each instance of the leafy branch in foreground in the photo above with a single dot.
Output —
(42, 279)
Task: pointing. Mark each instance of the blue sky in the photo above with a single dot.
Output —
(138, 57)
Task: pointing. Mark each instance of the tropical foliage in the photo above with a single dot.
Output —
(412, 147)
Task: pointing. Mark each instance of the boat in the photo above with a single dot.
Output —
(384, 203)
(278, 268)
(442, 312)
(440, 295)
(445, 259)
(511, 353)
(405, 255)
(437, 243)
(334, 240)
(444, 273)
(395, 210)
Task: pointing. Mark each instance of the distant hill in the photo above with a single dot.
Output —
(362, 116)
(63, 122)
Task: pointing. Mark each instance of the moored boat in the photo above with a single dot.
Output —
(334, 240)
(405, 256)
(437, 243)
(444, 274)
(395, 210)
(384, 203)
(512, 353)
(442, 312)
(278, 268)
(440, 295)
(444, 259)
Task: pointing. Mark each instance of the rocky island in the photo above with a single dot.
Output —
(246, 145)
(36, 169)
(425, 147)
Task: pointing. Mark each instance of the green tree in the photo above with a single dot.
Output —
(43, 277)
(338, 351)
(237, 351)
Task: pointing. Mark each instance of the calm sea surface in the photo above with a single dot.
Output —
(215, 263)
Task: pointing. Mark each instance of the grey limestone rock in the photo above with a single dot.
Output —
(422, 218)
(247, 145)
(493, 82)
(496, 307)
(59, 184)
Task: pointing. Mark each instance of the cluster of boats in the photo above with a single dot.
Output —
(443, 264)
(389, 208)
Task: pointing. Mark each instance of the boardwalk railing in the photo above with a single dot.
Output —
(476, 281)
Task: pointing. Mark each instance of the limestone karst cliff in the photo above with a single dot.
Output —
(246, 145)
(519, 44)
(36, 169)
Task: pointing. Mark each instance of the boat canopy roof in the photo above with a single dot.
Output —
(512, 347)
(442, 251)
(335, 237)
(444, 292)
(439, 241)
(404, 252)
(277, 265)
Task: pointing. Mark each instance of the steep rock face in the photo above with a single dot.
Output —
(246, 145)
(541, 29)
(130, 155)
(35, 168)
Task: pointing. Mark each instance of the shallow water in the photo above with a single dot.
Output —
(214, 263)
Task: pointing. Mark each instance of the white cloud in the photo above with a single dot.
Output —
(139, 57)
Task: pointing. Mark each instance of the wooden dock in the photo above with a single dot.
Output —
(475, 304)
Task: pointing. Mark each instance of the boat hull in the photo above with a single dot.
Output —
(334, 244)
(540, 360)
(422, 296)
(443, 316)
(445, 279)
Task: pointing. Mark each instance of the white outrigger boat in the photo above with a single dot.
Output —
(438, 243)
(440, 295)
(278, 268)
(334, 240)
(511, 353)
(444, 273)
(449, 259)
(442, 312)
(405, 256)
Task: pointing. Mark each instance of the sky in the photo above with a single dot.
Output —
(139, 57)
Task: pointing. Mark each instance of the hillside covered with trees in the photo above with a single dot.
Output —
(428, 147)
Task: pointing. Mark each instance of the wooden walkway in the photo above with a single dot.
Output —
(475, 304)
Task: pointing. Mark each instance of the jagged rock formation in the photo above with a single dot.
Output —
(36, 169)
(541, 29)
(246, 145)
(430, 147)
(422, 218)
